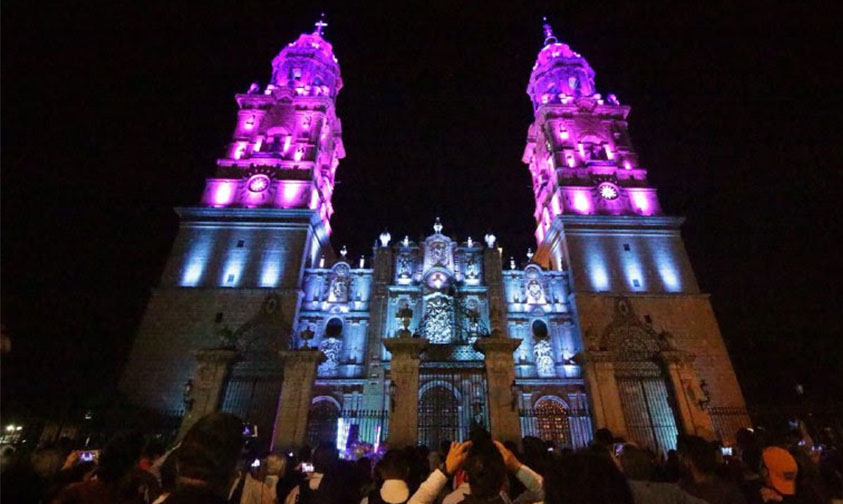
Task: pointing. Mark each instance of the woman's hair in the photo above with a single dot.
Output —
(586, 478)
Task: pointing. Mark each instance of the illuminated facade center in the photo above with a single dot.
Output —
(603, 327)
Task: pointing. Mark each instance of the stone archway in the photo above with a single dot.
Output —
(635, 350)
(322, 421)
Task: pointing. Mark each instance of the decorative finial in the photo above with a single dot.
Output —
(549, 37)
(343, 251)
(437, 226)
(384, 238)
(469, 242)
(490, 239)
(529, 254)
(320, 24)
(406, 241)
(512, 263)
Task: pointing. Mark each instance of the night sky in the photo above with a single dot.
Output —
(113, 113)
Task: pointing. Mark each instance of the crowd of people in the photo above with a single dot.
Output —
(212, 464)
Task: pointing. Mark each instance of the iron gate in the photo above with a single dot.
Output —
(451, 402)
(322, 421)
(649, 418)
(253, 396)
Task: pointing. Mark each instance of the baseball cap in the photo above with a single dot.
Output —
(782, 469)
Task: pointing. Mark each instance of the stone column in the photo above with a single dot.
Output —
(404, 373)
(500, 374)
(599, 371)
(493, 275)
(687, 393)
(213, 365)
(296, 391)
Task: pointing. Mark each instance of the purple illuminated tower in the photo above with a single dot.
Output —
(650, 334)
(234, 276)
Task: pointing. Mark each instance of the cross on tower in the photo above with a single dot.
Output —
(549, 38)
(320, 24)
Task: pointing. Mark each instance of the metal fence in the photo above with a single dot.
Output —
(326, 424)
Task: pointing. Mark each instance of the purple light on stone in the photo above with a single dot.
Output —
(609, 153)
(563, 133)
(299, 153)
(222, 192)
(287, 140)
(571, 161)
(627, 165)
(250, 122)
(291, 193)
(239, 150)
(582, 202)
(314, 199)
(581, 149)
(641, 201)
(555, 205)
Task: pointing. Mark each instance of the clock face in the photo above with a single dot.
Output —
(258, 183)
(608, 191)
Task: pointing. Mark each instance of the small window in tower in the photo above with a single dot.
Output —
(636, 283)
(230, 279)
(626, 247)
(648, 319)
(218, 317)
(297, 73)
(241, 243)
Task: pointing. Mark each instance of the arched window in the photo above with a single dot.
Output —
(322, 421)
(333, 329)
(539, 329)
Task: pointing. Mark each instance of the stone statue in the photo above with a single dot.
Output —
(331, 348)
(544, 358)
(471, 268)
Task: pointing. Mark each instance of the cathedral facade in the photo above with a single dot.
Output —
(605, 325)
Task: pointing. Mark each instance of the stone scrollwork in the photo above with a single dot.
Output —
(331, 347)
(437, 324)
(543, 354)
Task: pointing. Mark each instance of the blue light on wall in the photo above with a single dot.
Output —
(231, 272)
(597, 272)
(634, 273)
(668, 273)
(195, 264)
(193, 272)
(270, 272)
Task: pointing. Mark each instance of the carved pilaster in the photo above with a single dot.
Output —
(599, 371)
(687, 393)
(294, 404)
(500, 374)
(404, 373)
(213, 366)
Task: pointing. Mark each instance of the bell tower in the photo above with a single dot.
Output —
(599, 219)
(237, 263)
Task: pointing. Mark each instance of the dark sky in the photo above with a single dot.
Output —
(114, 112)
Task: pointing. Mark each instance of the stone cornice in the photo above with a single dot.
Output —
(620, 223)
(219, 355)
(407, 346)
(497, 345)
(302, 355)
